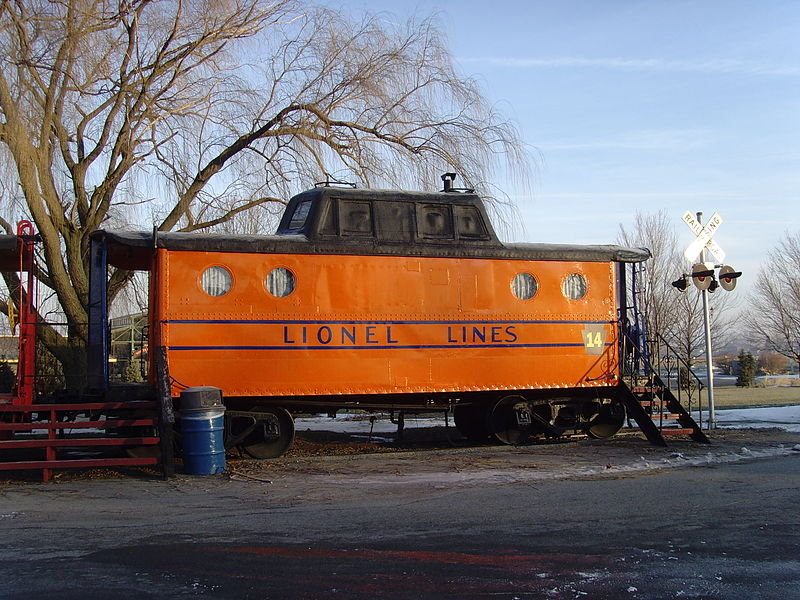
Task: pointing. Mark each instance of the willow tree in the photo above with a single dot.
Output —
(187, 115)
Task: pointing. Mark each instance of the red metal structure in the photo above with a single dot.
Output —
(22, 312)
(68, 427)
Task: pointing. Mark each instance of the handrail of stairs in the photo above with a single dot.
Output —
(661, 364)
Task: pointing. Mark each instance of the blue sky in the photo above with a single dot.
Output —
(640, 106)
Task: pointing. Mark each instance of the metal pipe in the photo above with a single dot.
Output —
(709, 361)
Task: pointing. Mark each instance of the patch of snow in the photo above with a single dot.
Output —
(783, 417)
(767, 378)
(360, 425)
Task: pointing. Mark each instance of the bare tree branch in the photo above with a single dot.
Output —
(774, 316)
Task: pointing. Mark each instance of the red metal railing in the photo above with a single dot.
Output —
(97, 424)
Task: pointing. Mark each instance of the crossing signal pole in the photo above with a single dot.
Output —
(702, 276)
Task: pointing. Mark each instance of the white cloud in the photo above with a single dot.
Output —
(717, 65)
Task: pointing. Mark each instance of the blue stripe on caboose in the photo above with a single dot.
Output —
(375, 347)
(303, 322)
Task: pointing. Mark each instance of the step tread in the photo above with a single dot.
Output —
(677, 431)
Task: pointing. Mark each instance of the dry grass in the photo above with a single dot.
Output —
(734, 397)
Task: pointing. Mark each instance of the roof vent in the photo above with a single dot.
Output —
(448, 179)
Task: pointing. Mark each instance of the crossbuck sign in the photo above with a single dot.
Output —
(704, 235)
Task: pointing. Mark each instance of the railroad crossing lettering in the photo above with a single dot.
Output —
(704, 236)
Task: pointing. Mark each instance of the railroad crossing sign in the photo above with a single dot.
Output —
(704, 235)
(703, 277)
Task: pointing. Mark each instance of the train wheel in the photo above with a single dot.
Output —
(470, 420)
(511, 419)
(273, 434)
(609, 420)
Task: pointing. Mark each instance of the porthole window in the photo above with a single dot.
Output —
(524, 286)
(280, 282)
(574, 286)
(216, 281)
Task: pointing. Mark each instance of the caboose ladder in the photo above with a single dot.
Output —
(658, 412)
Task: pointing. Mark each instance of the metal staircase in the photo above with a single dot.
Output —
(660, 390)
(658, 412)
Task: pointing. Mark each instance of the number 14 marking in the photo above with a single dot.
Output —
(594, 339)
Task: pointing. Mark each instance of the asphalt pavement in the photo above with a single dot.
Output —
(613, 519)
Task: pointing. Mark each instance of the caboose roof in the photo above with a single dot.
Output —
(135, 249)
(396, 222)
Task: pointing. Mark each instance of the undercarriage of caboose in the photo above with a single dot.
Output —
(263, 427)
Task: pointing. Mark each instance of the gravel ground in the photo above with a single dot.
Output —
(626, 454)
(431, 452)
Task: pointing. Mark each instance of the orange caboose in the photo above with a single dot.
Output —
(385, 300)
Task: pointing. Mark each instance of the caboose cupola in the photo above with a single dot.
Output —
(337, 215)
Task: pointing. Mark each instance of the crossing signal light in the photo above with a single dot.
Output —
(682, 283)
(728, 277)
(702, 276)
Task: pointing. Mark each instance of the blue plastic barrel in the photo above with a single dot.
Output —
(202, 431)
(202, 436)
